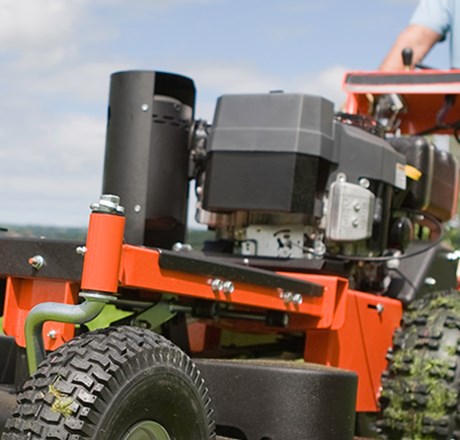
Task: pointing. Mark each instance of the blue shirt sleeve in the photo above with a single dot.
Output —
(434, 14)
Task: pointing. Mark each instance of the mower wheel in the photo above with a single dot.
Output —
(420, 389)
(119, 383)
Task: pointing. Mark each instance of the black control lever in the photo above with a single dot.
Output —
(407, 57)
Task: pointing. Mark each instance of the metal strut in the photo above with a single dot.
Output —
(41, 313)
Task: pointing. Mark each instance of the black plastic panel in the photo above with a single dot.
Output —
(256, 181)
(236, 273)
(281, 400)
(61, 259)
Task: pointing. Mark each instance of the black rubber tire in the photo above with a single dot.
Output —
(420, 389)
(103, 383)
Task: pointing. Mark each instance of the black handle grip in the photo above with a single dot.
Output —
(407, 56)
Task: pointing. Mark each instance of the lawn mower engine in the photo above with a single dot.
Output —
(284, 177)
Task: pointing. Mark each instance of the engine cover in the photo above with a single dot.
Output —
(269, 153)
(281, 152)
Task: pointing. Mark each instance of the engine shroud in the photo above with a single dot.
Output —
(269, 153)
(280, 153)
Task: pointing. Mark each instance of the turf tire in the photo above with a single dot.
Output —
(420, 389)
(101, 384)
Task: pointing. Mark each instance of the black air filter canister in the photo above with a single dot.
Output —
(146, 156)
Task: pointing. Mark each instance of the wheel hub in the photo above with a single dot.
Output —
(147, 430)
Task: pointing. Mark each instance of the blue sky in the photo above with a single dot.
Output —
(57, 57)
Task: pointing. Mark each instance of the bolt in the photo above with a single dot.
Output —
(355, 223)
(286, 297)
(177, 247)
(297, 299)
(108, 203)
(430, 281)
(364, 183)
(182, 247)
(52, 334)
(137, 208)
(379, 307)
(228, 287)
(144, 107)
(216, 285)
(81, 250)
(37, 262)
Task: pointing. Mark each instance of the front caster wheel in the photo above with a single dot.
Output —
(118, 383)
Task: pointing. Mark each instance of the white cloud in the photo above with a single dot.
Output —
(39, 34)
(82, 82)
(76, 141)
(231, 78)
(326, 83)
(212, 81)
(38, 23)
(51, 168)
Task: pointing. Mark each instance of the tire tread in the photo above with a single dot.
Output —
(88, 370)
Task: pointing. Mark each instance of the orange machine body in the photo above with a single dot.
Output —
(344, 328)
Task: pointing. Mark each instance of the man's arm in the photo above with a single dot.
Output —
(419, 38)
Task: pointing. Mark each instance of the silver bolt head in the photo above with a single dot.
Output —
(177, 247)
(182, 247)
(37, 262)
(430, 281)
(297, 299)
(81, 250)
(216, 285)
(52, 334)
(144, 107)
(228, 287)
(108, 203)
(286, 297)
